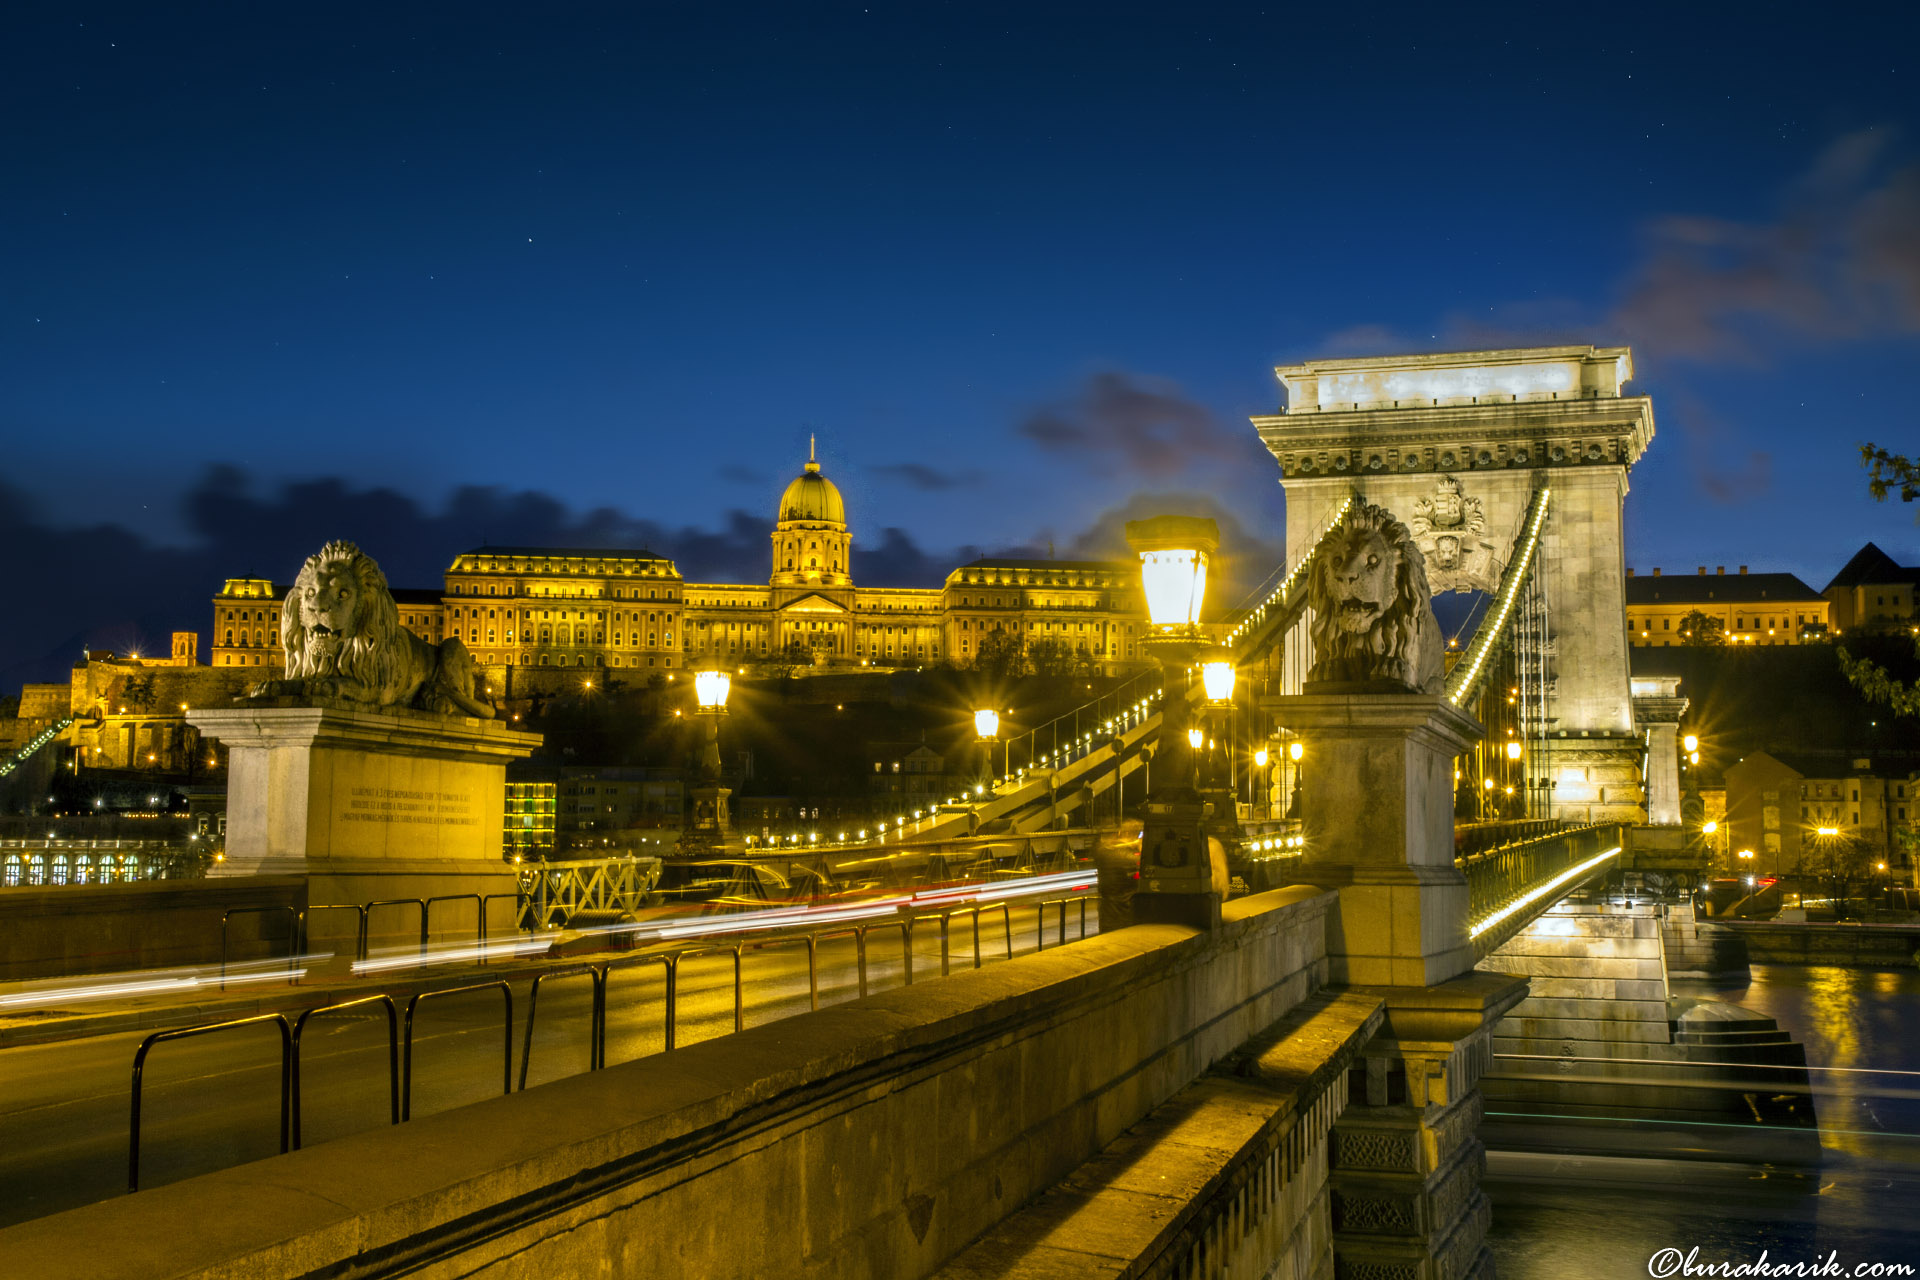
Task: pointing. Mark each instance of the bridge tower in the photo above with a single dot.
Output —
(1455, 445)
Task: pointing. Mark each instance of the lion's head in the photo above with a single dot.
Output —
(339, 619)
(1369, 594)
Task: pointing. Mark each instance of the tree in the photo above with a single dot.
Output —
(1841, 865)
(1000, 656)
(784, 661)
(1699, 631)
(138, 692)
(1886, 472)
(1051, 659)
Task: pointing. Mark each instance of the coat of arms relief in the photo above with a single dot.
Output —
(1447, 528)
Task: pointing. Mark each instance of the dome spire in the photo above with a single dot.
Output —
(813, 460)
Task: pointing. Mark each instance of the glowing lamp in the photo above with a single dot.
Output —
(1691, 742)
(1295, 750)
(1173, 551)
(1260, 758)
(1709, 827)
(986, 722)
(1196, 738)
(711, 689)
(1487, 783)
(1218, 678)
(1828, 831)
(1513, 751)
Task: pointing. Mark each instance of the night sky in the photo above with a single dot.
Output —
(427, 276)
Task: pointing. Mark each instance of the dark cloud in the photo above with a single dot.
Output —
(927, 478)
(1143, 426)
(1841, 261)
(899, 562)
(106, 587)
(1726, 470)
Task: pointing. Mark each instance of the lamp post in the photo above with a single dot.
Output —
(1513, 760)
(1178, 884)
(1217, 677)
(1296, 752)
(1261, 781)
(711, 826)
(986, 727)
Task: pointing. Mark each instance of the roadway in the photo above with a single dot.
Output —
(213, 1101)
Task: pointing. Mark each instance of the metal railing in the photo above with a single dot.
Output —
(183, 1033)
(400, 1028)
(1502, 882)
(406, 1051)
(551, 892)
(596, 1036)
(393, 1054)
(1040, 920)
(1475, 838)
(418, 904)
(295, 936)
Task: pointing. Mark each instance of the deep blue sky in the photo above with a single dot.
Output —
(629, 256)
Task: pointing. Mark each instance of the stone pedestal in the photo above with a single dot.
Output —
(711, 827)
(1377, 802)
(369, 805)
(1406, 1165)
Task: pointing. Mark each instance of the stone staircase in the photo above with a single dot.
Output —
(1600, 1041)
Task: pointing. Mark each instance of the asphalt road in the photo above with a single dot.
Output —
(213, 1101)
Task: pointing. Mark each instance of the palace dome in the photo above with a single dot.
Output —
(812, 496)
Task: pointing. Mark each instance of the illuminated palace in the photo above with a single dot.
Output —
(521, 607)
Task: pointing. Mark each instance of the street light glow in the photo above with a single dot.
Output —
(986, 722)
(1218, 678)
(710, 688)
(1295, 750)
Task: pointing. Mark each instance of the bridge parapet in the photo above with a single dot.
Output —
(874, 1139)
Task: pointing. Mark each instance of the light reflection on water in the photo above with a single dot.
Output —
(1556, 1218)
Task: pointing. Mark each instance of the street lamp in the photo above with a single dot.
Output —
(1176, 872)
(710, 826)
(1218, 678)
(986, 726)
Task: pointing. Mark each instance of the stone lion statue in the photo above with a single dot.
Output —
(341, 635)
(1373, 620)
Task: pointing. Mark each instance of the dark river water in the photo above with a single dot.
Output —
(1556, 1217)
